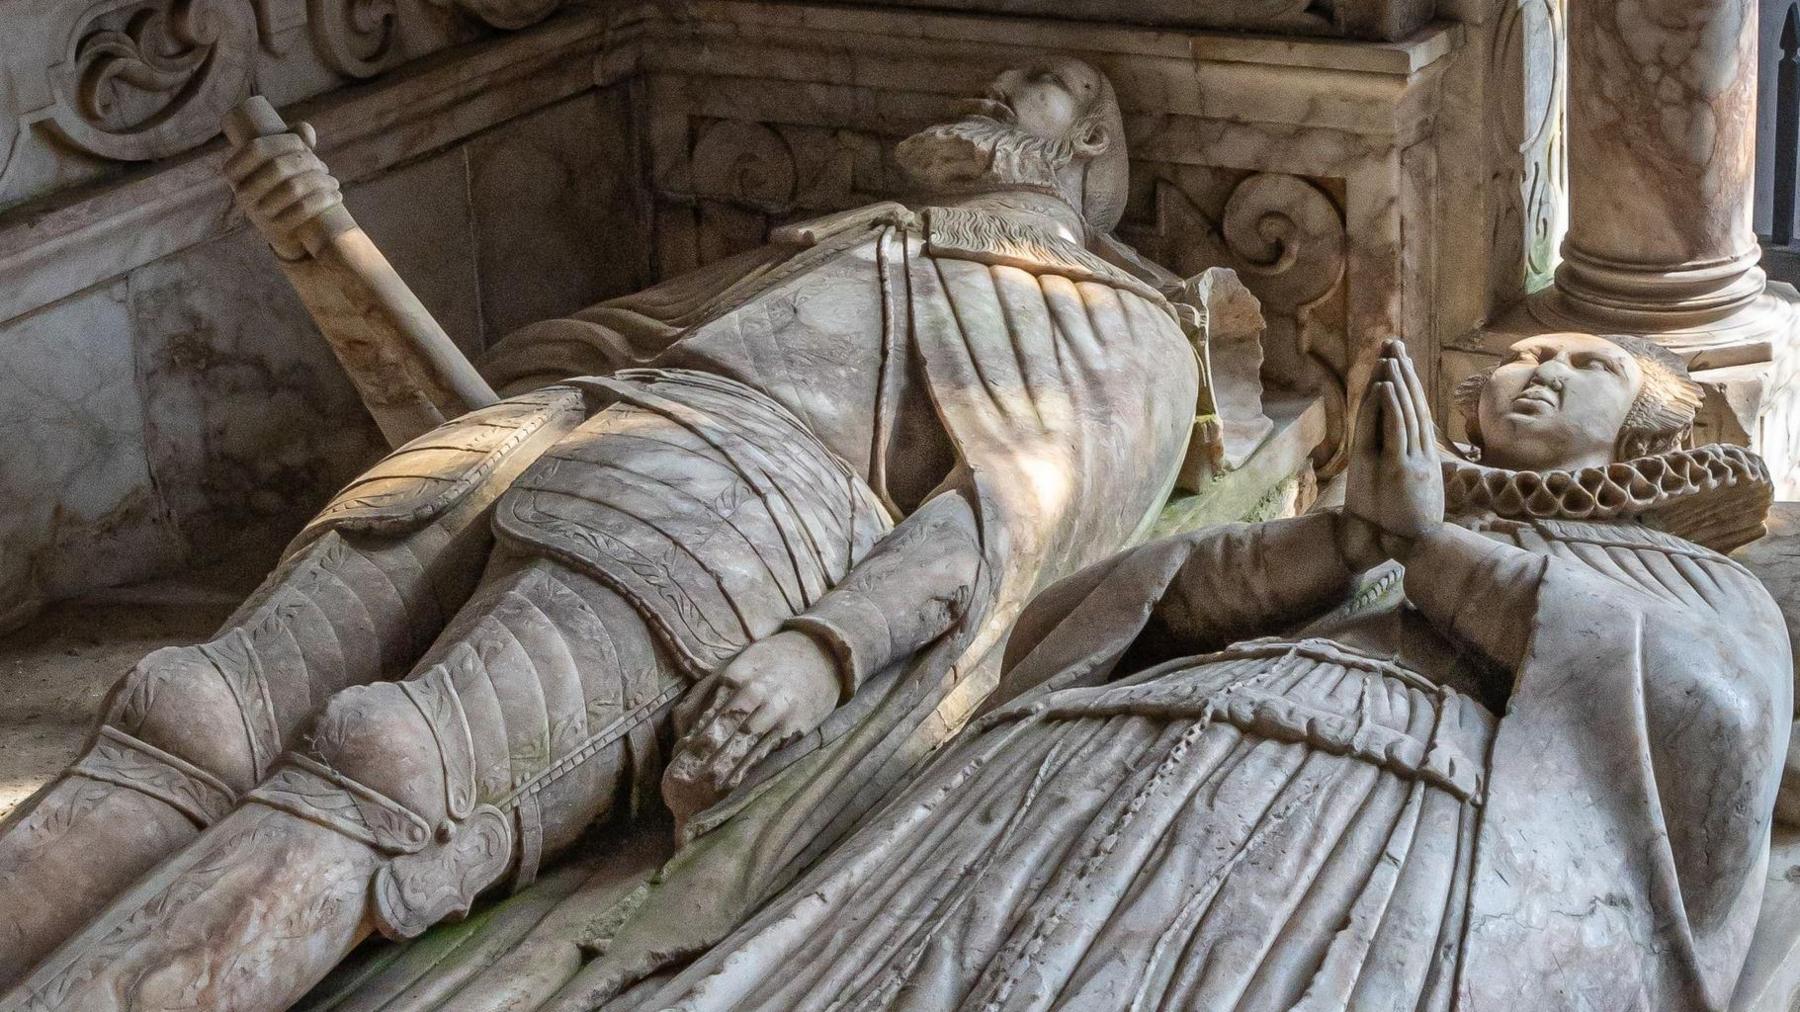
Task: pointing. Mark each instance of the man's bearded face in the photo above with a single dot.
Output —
(978, 150)
(1021, 131)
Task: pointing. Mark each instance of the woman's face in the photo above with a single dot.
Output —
(1557, 401)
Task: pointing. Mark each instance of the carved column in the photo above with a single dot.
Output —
(1661, 143)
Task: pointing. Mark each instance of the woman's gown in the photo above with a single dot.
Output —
(1227, 774)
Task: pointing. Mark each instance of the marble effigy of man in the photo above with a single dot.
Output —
(1495, 736)
(764, 525)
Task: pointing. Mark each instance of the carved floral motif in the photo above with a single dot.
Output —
(354, 37)
(144, 79)
(1527, 57)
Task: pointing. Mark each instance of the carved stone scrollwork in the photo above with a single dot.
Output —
(359, 38)
(354, 37)
(1525, 62)
(1285, 236)
(144, 79)
(507, 13)
(746, 163)
(744, 175)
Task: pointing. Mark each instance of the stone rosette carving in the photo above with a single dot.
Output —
(145, 79)
(138, 80)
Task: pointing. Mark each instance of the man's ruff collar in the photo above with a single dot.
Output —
(1715, 495)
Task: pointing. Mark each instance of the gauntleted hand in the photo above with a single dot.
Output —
(775, 691)
(281, 185)
(1395, 482)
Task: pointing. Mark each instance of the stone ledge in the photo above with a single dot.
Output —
(792, 24)
(1236, 495)
(1361, 19)
(74, 241)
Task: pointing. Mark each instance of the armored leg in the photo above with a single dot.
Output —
(189, 729)
(542, 707)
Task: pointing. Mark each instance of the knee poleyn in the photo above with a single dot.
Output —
(375, 770)
(376, 737)
(180, 701)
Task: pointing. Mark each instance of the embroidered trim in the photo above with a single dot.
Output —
(439, 703)
(123, 761)
(392, 498)
(1715, 495)
(961, 233)
(319, 794)
(1435, 760)
(239, 666)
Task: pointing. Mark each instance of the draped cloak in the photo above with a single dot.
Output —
(943, 353)
(1120, 830)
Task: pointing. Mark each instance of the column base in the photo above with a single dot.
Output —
(1750, 371)
(1705, 340)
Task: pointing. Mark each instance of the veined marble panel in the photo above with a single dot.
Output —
(249, 426)
(556, 211)
(78, 506)
(157, 351)
(423, 220)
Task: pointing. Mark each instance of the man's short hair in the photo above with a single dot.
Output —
(1658, 420)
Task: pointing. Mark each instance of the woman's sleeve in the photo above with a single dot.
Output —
(1243, 580)
(1478, 590)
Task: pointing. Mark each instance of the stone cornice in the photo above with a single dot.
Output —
(70, 241)
(56, 247)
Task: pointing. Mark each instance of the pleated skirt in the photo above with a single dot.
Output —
(1280, 826)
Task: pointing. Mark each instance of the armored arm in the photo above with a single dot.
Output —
(409, 374)
(914, 587)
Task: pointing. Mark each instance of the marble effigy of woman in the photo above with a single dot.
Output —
(1495, 735)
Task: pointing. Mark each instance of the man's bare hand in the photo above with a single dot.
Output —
(775, 691)
(1395, 480)
(282, 186)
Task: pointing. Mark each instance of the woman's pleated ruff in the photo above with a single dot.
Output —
(1201, 836)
